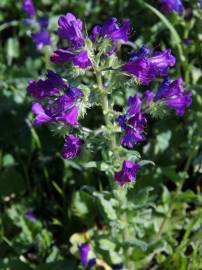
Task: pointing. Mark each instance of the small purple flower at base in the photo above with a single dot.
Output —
(29, 214)
(71, 28)
(133, 122)
(127, 173)
(169, 6)
(41, 116)
(72, 146)
(41, 39)
(82, 60)
(132, 137)
(174, 95)
(28, 7)
(84, 251)
(61, 56)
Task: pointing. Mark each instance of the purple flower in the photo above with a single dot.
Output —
(112, 30)
(142, 69)
(132, 137)
(43, 22)
(146, 68)
(29, 214)
(82, 60)
(41, 39)
(71, 147)
(172, 5)
(44, 88)
(84, 251)
(162, 61)
(40, 115)
(61, 56)
(59, 110)
(128, 172)
(28, 7)
(71, 28)
(200, 2)
(133, 122)
(174, 95)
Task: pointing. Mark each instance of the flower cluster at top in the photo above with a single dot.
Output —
(58, 102)
(71, 29)
(41, 38)
(169, 6)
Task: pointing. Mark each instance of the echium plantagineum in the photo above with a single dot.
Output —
(93, 75)
(92, 71)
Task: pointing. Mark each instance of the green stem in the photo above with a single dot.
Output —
(106, 107)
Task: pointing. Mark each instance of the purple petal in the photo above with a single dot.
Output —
(40, 116)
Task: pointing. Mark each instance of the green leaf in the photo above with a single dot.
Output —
(83, 206)
(107, 206)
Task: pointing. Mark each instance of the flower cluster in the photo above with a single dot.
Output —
(57, 102)
(146, 66)
(71, 29)
(112, 31)
(41, 38)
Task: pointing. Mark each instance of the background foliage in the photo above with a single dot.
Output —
(158, 225)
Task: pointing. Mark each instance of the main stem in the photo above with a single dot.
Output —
(105, 107)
